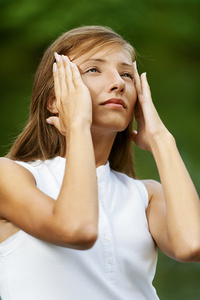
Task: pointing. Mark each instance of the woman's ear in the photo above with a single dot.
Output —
(51, 104)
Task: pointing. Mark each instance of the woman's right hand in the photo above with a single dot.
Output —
(72, 220)
(73, 100)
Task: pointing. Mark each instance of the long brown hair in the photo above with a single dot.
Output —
(38, 140)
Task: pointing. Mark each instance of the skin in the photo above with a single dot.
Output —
(107, 74)
(90, 127)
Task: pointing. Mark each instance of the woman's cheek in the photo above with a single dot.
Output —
(88, 81)
(94, 85)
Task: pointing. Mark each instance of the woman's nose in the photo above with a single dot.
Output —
(115, 82)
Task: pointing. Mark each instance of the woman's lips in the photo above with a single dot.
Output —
(114, 103)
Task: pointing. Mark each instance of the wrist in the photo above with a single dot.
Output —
(162, 141)
(78, 126)
(78, 134)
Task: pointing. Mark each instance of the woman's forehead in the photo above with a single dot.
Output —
(107, 51)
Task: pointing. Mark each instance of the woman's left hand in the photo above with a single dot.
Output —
(173, 212)
(149, 124)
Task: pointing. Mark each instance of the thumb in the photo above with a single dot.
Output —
(56, 123)
(133, 135)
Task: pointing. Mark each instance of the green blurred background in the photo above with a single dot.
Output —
(165, 34)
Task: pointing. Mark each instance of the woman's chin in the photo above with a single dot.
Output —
(112, 127)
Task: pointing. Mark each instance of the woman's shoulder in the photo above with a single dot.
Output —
(153, 187)
(13, 179)
(11, 170)
(144, 188)
(34, 168)
(148, 187)
(7, 165)
(149, 184)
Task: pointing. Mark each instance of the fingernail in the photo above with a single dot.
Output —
(54, 67)
(49, 121)
(57, 57)
(72, 64)
(64, 58)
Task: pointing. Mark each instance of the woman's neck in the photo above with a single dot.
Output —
(102, 146)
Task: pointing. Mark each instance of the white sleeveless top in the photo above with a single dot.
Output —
(120, 266)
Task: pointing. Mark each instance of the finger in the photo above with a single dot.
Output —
(68, 72)
(145, 85)
(137, 79)
(76, 76)
(61, 72)
(53, 121)
(133, 135)
(56, 123)
(56, 84)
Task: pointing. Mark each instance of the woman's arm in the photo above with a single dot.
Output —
(71, 220)
(174, 208)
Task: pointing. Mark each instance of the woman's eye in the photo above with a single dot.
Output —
(129, 75)
(92, 70)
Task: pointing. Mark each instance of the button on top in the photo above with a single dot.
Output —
(107, 239)
(109, 260)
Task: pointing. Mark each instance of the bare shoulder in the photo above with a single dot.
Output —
(12, 178)
(154, 189)
(11, 174)
(10, 170)
(20, 199)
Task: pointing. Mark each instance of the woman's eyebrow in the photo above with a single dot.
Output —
(101, 60)
(127, 65)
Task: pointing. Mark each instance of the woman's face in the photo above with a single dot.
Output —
(108, 74)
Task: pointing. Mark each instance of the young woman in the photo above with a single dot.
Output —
(77, 149)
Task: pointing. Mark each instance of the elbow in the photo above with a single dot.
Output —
(79, 237)
(86, 237)
(189, 253)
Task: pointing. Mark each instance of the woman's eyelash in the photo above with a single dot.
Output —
(92, 70)
(129, 75)
(96, 70)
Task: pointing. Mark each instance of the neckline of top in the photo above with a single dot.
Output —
(102, 171)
